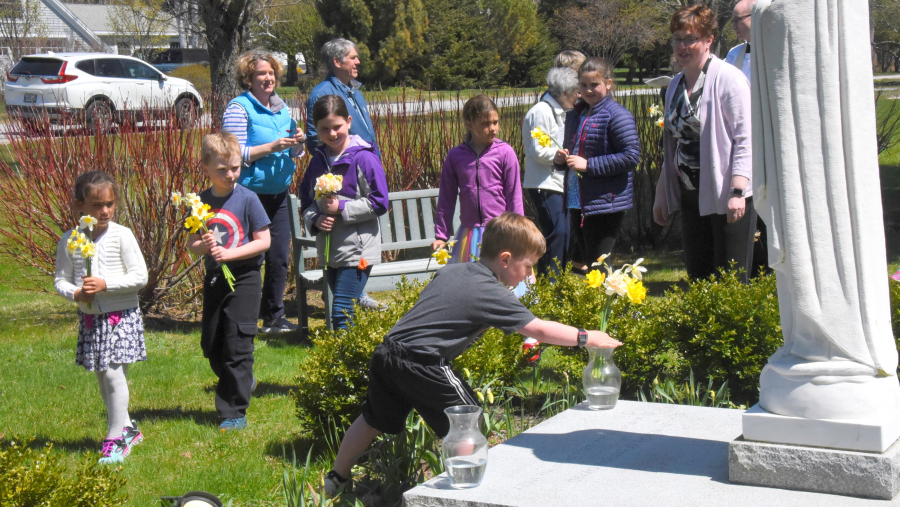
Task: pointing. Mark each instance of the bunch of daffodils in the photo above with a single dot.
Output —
(328, 185)
(625, 281)
(197, 220)
(81, 243)
(656, 112)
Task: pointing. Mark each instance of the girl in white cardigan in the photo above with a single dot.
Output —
(111, 329)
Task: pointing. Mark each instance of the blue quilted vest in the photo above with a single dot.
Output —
(271, 174)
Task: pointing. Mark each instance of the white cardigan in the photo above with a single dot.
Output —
(539, 171)
(118, 262)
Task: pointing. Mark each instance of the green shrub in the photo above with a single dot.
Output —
(198, 75)
(29, 477)
(335, 375)
(719, 328)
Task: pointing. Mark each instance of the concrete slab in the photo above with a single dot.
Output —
(638, 454)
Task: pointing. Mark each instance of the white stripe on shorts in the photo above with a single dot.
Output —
(457, 384)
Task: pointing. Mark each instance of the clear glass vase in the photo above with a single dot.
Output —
(464, 450)
(601, 379)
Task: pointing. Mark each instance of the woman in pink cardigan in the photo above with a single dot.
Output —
(707, 164)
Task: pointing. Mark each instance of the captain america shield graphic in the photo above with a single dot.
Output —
(226, 228)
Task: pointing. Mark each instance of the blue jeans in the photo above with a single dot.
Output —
(554, 225)
(346, 285)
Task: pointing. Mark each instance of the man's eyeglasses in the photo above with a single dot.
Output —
(690, 41)
(738, 19)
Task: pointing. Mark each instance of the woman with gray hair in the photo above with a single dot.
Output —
(544, 183)
(270, 141)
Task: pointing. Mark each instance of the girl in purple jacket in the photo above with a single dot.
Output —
(349, 220)
(483, 172)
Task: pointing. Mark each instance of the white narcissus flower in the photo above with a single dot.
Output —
(87, 222)
(636, 269)
(654, 110)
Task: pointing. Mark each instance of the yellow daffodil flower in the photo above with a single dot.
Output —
(441, 256)
(595, 279)
(480, 396)
(490, 396)
(193, 224)
(87, 222)
(636, 291)
(72, 245)
(450, 243)
(88, 250)
(536, 133)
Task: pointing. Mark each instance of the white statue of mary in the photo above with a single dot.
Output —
(816, 185)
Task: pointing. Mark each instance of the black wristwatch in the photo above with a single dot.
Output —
(582, 337)
(737, 192)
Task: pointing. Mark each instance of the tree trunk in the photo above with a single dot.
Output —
(630, 77)
(291, 74)
(224, 21)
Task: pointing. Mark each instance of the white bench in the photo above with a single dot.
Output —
(409, 223)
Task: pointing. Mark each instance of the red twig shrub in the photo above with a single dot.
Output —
(149, 162)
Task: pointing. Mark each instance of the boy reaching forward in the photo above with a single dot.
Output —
(411, 368)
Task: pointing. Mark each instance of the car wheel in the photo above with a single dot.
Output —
(187, 114)
(99, 117)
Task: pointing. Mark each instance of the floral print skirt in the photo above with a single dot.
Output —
(110, 338)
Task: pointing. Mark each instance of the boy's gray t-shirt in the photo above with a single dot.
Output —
(455, 309)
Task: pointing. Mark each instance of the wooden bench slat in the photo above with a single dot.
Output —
(412, 212)
(428, 216)
(385, 221)
(399, 223)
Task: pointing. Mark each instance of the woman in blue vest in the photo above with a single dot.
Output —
(270, 141)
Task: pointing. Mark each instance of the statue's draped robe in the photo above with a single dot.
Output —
(816, 185)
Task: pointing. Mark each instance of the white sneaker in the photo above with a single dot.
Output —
(335, 484)
(366, 301)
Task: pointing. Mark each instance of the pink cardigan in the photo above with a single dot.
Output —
(725, 148)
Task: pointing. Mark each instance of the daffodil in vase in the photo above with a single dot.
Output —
(601, 378)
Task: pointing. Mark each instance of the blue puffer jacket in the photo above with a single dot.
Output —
(607, 137)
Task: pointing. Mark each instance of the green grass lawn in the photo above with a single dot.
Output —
(48, 398)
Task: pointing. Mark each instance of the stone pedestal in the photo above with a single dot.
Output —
(870, 475)
(844, 457)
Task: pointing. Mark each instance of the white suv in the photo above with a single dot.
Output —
(99, 87)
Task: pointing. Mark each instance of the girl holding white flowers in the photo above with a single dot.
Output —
(99, 265)
(343, 212)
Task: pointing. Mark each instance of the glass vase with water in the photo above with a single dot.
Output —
(464, 450)
(601, 379)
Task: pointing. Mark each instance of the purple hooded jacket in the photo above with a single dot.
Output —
(363, 198)
(487, 185)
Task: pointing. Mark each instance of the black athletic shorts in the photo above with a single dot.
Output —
(400, 381)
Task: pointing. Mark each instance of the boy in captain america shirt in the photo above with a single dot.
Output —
(238, 235)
